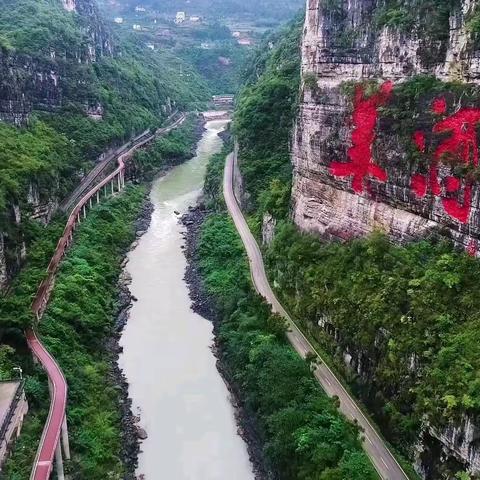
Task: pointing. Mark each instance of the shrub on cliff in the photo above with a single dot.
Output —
(266, 110)
(409, 314)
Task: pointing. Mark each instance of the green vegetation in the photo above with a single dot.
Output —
(429, 17)
(75, 327)
(264, 118)
(38, 152)
(169, 150)
(15, 308)
(473, 23)
(304, 435)
(407, 315)
(266, 9)
(412, 309)
(397, 17)
(128, 86)
(220, 65)
(38, 27)
(213, 186)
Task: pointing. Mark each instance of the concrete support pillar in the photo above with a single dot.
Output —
(119, 181)
(65, 442)
(111, 183)
(90, 202)
(84, 212)
(79, 218)
(105, 191)
(59, 462)
(98, 196)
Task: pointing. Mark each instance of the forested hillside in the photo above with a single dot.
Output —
(399, 322)
(71, 90)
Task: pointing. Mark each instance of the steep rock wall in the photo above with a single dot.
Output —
(387, 139)
(38, 82)
(355, 168)
(27, 84)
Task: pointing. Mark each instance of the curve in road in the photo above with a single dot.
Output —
(385, 463)
(43, 464)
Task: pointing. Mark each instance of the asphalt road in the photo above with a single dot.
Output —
(383, 460)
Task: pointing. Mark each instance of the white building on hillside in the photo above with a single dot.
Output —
(181, 17)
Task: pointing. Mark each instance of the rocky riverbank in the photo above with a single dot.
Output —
(204, 305)
(131, 432)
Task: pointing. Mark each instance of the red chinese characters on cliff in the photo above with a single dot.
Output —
(365, 116)
(461, 145)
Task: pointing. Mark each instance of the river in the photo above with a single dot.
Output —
(175, 387)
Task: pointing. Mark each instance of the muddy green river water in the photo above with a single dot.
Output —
(176, 389)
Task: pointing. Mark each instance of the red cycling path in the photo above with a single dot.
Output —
(43, 465)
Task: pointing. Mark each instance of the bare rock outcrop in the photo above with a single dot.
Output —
(360, 162)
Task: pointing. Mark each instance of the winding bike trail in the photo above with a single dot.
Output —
(100, 167)
(43, 464)
(383, 460)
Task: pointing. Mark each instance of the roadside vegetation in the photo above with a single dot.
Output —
(406, 315)
(303, 434)
(78, 322)
(172, 149)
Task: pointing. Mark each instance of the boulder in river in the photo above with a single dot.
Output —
(142, 434)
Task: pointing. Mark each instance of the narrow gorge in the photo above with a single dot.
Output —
(300, 181)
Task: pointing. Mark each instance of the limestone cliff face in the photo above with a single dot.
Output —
(99, 39)
(39, 82)
(387, 138)
(27, 84)
(362, 164)
(44, 82)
